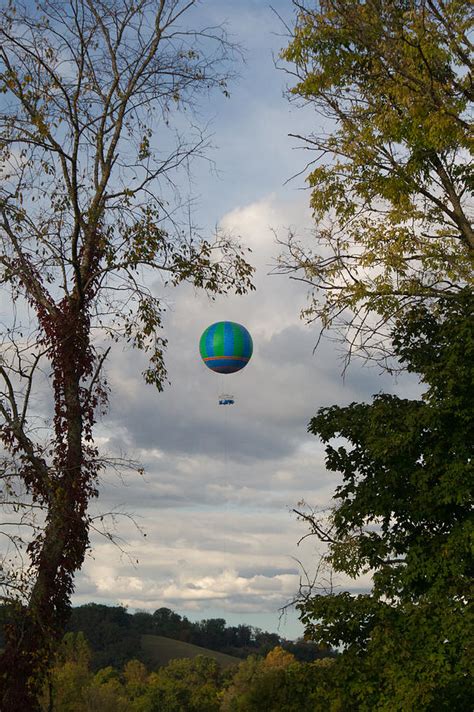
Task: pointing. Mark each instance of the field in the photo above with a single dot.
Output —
(161, 650)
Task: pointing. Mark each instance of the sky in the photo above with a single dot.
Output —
(208, 529)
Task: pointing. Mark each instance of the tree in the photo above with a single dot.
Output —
(109, 632)
(404, 513)
(277, 683)
(136, 677)
(257, 685)
(390, 178)
(142, 622)
(211, 633)
(68, 676)
(73, 687)
(166, 622)
(186, 685)
(88, 211)
(105, 693)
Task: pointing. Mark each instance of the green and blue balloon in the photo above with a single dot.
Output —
(226, 347)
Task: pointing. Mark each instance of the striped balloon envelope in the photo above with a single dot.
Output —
(226, 347)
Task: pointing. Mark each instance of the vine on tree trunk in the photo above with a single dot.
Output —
(63, 479)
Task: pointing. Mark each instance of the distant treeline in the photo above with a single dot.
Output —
(114, 635)
(276, 682)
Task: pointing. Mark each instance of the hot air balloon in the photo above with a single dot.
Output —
(226, 347)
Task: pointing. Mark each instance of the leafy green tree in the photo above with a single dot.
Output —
(307, 651)
(142, 622)
(74, 648)
(186, 685)
(69, 676)
(109, 631)
(390, 178)
(404, 513)
(73, 687)
(105, 693)
(166, 622)
(239, 636)
(241, 681)
(68, 680)
(212, 633)
(265, 642)
(278, 683)
(136, 677)
(92, 98)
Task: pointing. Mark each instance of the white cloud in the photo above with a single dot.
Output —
(219, 486)
(220, 483)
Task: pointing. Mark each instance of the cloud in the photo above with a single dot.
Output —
(276, 394)
(203, 559)
(220, 483)
(216, 498)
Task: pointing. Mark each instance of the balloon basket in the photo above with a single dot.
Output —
(226, 399)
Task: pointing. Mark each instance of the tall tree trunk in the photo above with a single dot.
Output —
(59, 551)
(36, 629)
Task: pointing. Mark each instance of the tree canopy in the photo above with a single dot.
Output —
(274, 682)
(404, 513)
(389, 167)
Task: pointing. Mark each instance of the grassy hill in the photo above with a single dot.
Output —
(160, 650)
